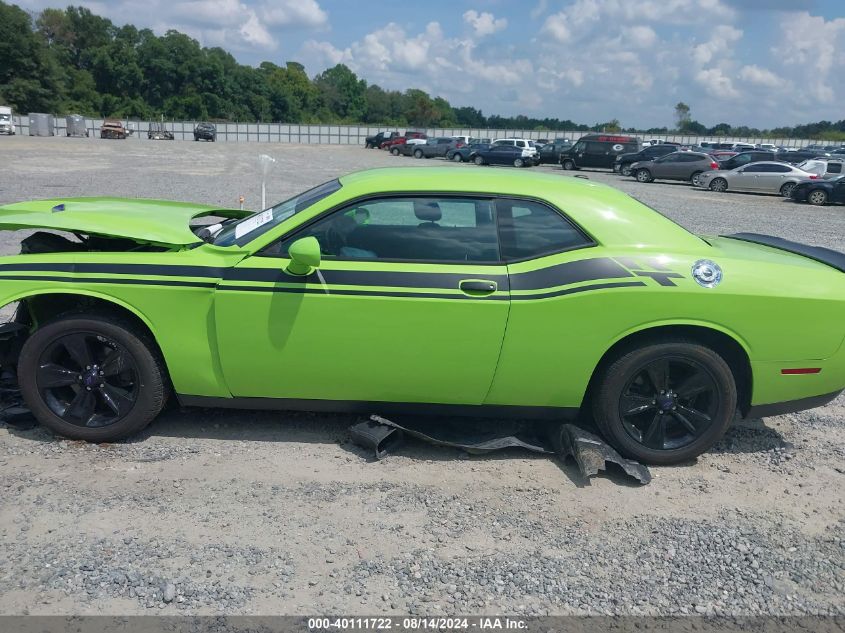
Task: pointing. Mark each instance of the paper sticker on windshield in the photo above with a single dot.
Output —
(250, 224)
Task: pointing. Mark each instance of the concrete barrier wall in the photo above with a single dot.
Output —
(355, 134)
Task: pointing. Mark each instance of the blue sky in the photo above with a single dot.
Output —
(761, 63)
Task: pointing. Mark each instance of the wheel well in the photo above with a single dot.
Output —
(723, 344)
(39, 309)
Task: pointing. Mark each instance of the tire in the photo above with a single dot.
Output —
(625, 170)
(646, 424)
(457, 158)
(139, 386)
(695, 179)
(817, 197)
(478, 161)
(786, 189)
(418, 153)
(643, 175)
(518, 163)
(394, 151)
(568, 165)
(719, 185)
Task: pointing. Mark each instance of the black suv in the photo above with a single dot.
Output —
(206, 132)
(623, 162)
(743, 158)
(375, 141)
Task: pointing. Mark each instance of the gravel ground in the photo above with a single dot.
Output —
(240, 512)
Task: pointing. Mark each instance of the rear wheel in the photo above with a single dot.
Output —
(418, 153)
(625, 170)
(568, 164)
(665, 403)
(478, 160)
(457, 158)
(787, 188)
(91, 378)
(719, 185)
(518, 162)
(643, 175)
(695, 179)
(394, 151)
(817, 197)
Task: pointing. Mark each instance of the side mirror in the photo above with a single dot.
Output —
(304, 256)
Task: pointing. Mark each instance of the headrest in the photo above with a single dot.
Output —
(427, 211)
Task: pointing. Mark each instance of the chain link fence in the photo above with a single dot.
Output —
(355, 134)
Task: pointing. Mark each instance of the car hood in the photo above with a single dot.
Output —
(159, 222)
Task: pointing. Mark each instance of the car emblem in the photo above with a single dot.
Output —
(707, 273)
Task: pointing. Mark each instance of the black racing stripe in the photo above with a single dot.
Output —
(361, 293)
(113, 280)
(396, 279)
(628, 262)
(569, 273)
(572, 291)
(664, 279)
(121, 269)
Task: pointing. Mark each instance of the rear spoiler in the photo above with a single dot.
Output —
(832, 258)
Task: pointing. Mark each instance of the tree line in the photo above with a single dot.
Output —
(74, 61)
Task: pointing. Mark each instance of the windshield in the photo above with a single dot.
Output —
(248, 228)
(5, 117)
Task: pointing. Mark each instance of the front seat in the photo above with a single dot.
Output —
(428, 213)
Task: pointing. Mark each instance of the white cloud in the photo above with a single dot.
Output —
(306, 13)
(540, 9)
(716, 82)
(484, 23)
(753, 74)
(720, 43)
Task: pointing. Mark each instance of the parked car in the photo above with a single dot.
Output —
(522, 143)
(503, 154)
(763, 177)
(205, 131)
(549, 154)
(435, 147)
(799, 156)
(676, 166)
(375, 141)
(768, 147)
(400, 140)
(721, 154)
(6, 124)
(407, 148)
(543, 291)
(113, 128)
(820, 191)
(623, 162)
(823, 167)
(743, 158)
(157, 132)
(598, 150)
(462, 154)
(742, 147)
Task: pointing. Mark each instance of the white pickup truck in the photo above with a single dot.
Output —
(7, 126)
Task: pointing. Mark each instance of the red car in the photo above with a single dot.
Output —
(400, 140)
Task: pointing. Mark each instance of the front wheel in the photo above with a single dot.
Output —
(719, 185)
(91, 378)
(457, 158)
(394, 151)
(568, 165)
(518, 162)
(787, 188)
(695, 179)
(665, 403)
(817, 197)
(625, 170)
(644, 175)
(478, 160)
(418, 153)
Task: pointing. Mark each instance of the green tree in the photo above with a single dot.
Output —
(343, 95)
(682, 115)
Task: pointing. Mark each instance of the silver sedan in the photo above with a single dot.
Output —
(762, 177)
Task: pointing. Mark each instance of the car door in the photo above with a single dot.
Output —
(747, 178)
(501, 154)
(769, 177)
(409, 304)
(664, 166)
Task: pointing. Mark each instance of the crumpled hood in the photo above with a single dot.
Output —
(159, 222)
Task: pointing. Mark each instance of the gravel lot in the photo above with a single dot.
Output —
(277, 513)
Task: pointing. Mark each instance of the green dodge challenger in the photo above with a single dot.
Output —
(437, 291)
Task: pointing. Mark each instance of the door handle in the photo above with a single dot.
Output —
(478, 287)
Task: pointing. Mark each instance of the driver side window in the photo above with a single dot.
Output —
(434, 229)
